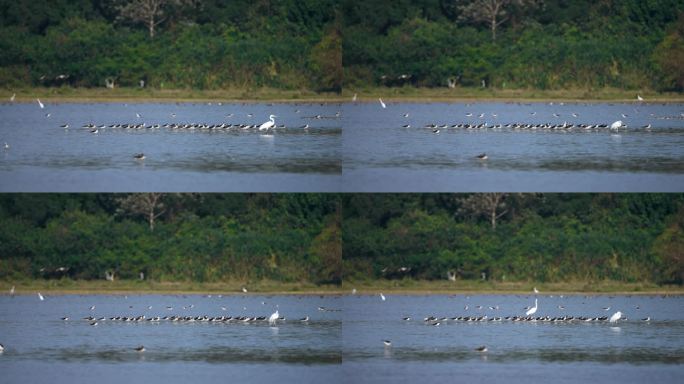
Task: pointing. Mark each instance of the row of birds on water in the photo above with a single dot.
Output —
(272, 320)
(436, 321)
(268, 126)
(565, 127)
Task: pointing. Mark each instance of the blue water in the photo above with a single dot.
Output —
(630, 351)
(40, 347)
(380, 155)
(44, 157)
(341, 344)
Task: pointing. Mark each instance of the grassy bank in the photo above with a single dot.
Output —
(408, 286)
(492, 94)
(68, 286)
(68, 94)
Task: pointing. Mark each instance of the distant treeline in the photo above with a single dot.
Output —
(325, 45)
(171, 237)
(199, 44)
(540, 44)
(515, 237)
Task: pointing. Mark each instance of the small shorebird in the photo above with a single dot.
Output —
(387, 343)
(139, 156)
(482, 348)
(482, 156)
(140, 348)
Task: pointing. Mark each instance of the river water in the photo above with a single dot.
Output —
(382, 155)
(40, 347)
(43, 156)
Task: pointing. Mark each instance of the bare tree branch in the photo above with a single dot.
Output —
(150, 12)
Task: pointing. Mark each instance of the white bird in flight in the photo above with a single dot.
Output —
(616, 316)
(532, 310)
(40, 104)
(381, 103)
(269, 124)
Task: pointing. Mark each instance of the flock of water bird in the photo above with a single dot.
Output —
(529, 317)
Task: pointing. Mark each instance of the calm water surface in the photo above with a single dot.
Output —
(380, 155)
(43, 156)
(631, 351)
(41, 348)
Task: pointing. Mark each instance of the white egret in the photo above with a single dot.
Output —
(535, 290)
(617, 125)
(273, 318)
(12, 291)
(354, 97)
(353, 291)
(40, 297)
(382, 297)
(13, 96)
(244, 290)
(616, 316)
(269, 124)
(640, 98)
(6, 146)
(381, 103)
(40, 104)
(532, 310)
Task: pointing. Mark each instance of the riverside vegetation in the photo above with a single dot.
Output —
(305, 46)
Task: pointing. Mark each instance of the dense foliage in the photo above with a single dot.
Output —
(201, 44)
(318, 44)
(206, 238)
(540, 237)
(544, 44)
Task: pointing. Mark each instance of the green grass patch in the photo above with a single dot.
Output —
(69, 286)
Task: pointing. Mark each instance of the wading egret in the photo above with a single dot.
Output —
(382, 297)
(532, 310)
(616, 316)
(273, 318)
(617, 125)
(40, 297)
(40, 104)
(269, 124)
(381, 103)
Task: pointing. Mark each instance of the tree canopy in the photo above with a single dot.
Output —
(196, 237)
(537, 237)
